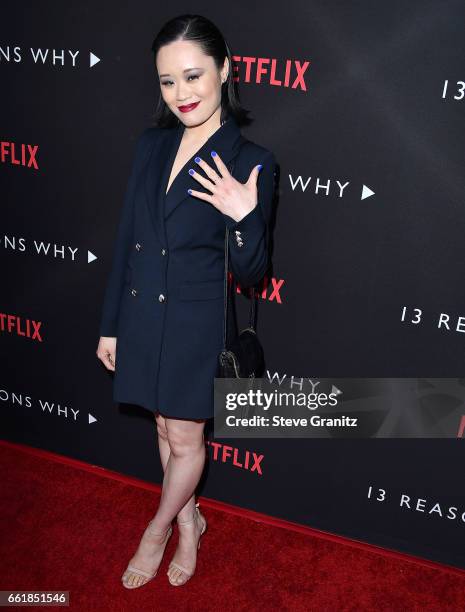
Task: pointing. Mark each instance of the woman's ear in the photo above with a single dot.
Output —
(225, 70)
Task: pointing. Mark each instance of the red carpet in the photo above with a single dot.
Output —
(67, 525)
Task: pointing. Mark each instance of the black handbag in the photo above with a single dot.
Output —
(243, 357)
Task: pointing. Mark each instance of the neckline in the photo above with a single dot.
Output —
(177, 143)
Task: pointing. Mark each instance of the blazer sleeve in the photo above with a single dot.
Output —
(249, 238)
(122, 244)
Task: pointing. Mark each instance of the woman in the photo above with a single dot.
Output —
(164, 297)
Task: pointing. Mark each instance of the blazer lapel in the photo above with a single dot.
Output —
(225, 141)
(156, 174)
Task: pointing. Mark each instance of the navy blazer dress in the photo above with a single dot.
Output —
(164, 295)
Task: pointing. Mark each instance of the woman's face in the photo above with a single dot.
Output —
(189, 76)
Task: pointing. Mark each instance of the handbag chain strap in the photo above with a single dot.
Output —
(226, 267)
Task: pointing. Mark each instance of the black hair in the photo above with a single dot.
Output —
(202, 31)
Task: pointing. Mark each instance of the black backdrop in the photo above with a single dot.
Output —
(379, 104)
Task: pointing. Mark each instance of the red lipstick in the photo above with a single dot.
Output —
(188, 107)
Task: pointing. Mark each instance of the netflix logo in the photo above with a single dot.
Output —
(271, 292)
(18, 154)
(244, 460)
(28, 328)
(266, 71)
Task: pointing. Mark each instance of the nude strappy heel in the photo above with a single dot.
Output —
(188, 573)
(131, 569)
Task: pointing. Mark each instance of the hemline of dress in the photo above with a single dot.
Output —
(155, 410)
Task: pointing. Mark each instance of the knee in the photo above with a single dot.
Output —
(182, 444)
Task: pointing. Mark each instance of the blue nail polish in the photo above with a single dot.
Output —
(197, 159)
(213, 153)
(260, 167)
(189, 191)
(191, 171)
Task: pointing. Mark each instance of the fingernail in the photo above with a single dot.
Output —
(189, 191)
(213, 153)
(191, 171)
(197, 159)
(260, 166)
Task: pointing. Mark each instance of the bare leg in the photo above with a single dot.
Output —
(182, 473)
(187, 510)
(189, 533)
(183, 468)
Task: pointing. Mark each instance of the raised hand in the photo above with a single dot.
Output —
(228, 195)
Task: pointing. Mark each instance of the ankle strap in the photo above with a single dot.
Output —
(194, 516)
(170, 528)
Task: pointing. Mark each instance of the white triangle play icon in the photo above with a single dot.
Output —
(90, 257)
(366, 192)
(92, 419)
(93, 59)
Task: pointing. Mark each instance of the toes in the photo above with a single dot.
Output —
(133, 580)
(176, 575)
(182, 578)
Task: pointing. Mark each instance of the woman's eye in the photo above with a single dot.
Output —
(191, 76)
